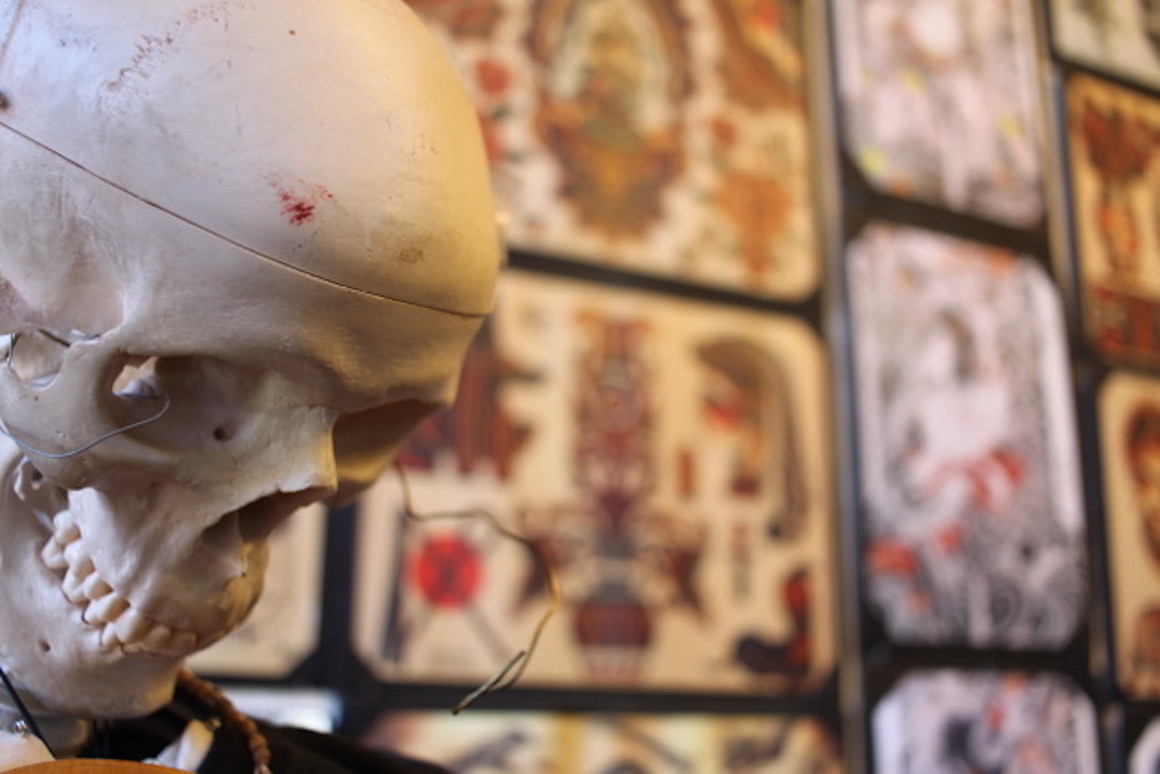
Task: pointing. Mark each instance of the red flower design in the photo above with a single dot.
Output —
(493, 78)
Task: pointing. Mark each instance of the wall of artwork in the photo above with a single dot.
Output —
(825, 376)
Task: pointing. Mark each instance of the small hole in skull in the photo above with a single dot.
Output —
(44, 646)
(223, 433)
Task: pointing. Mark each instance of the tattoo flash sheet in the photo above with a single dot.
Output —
(669, 458)
(957, 721)
(1117, 36)
(533, 743)
(667, 137)
(1114, 136)
(974, 532)
(963, 73)
(282, 630)
(1130, 444)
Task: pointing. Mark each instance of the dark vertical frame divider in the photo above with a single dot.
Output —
(1123, 719)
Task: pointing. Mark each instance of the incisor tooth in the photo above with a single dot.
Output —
(131, 626)
(53, 555)
(71, 586)
(65, 528)
(95, 587)
(106, 609)
(76, 556)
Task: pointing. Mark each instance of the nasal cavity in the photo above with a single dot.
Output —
(37, 356)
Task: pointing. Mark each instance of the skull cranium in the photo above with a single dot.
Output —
(244, 245)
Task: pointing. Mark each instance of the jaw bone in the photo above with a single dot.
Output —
(121, 624)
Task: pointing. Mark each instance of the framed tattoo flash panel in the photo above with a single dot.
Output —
(947, 720)
(671, 460)
(963, 75)
(1113, 136)
(667, 137)
(1129, 408)
(973, 528)
(533, 743)
(1120, 37)
(283, 628)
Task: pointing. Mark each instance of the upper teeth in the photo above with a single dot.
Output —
(121, 625)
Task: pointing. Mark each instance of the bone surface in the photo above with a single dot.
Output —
(243, 247)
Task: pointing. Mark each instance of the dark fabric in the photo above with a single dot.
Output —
(141, 738)
(297, 751)
(293, 750)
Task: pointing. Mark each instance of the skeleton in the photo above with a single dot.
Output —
(243, 246)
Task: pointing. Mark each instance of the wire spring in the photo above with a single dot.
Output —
(29, 449)
(511, 672)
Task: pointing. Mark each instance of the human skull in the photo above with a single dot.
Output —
(243, 247)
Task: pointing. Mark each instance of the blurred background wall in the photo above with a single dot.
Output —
(823, 377)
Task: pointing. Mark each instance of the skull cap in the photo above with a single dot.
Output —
(333, 139)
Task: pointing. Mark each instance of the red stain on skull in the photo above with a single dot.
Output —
(298, 210)
(299, 201)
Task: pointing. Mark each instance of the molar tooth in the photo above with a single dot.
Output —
(106, 609)
(53, 555)
(109, 639)
(95, 587)
(131, 626)
(156, 640)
